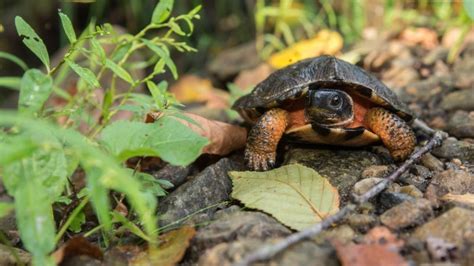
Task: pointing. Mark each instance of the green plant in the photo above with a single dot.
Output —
(39, 154)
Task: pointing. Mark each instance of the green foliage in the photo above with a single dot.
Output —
(39, 156)
(35, 89)
(32, 40)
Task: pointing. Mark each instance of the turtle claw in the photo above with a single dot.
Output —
(259, 161)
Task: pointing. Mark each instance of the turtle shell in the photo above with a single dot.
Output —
(294, 81)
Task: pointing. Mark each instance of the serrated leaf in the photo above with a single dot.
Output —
(119, 71)
(14, 59)
(68, 28)
(167, 138)
(162, 11)
(294, 194)
(86, 74)
(163, 54)
(35, 88)
(32, 40)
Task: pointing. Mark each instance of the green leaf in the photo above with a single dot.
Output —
(167, 138)
(119, 71)
(14, 59)
(68, 28)
(164, 54)
(35, 220)
(10, 82)
(5, 208)
(158, 92)
(16, 149)
(32, 40)
(97, 49)
(469, 7)
(35, 89)
(176, 28)
(162, 11)
(77, 222)
(86, 74)
(294, 194)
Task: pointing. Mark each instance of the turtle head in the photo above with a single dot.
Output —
(329, 107)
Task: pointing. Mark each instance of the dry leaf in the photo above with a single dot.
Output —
(171, 250)
(194, 89)
(467, 198)
(223, 137)
(324, 42)
(294, 194)
(425, 37)
(380, 247)
(77, 246)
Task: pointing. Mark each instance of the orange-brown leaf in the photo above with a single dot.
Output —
(170, 251)
(77, 246)
(223, 137)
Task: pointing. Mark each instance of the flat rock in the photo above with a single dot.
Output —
(208, 188)
(453, 148)
(176, 175)
(454, 226)
(303, 253)
(234, 226)
(450, 181)
(406, 214)
(461, 124)
(342, 167)
(459, 100)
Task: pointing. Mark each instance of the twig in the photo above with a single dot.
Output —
(268, 251)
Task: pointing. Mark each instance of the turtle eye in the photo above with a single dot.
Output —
(335, 101)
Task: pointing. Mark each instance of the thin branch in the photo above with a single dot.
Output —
(268, 251)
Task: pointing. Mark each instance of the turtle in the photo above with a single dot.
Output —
(323, 100)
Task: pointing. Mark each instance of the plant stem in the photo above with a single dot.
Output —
(71, 217)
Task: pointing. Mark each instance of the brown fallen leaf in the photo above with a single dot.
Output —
(324, 42)
(223, 137)
(171, 250)
(194, 89)
(425, 37)
(380, 247)
(77, 246)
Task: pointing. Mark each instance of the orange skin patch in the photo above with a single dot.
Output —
(394, 132)
(260, 151)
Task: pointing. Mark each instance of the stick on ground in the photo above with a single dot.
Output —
(268, 251)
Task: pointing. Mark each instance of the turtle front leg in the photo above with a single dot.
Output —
(394, 132)
(262, 142)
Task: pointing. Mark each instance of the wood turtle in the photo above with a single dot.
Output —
(323, 100)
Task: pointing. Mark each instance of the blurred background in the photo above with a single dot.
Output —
(232, 36)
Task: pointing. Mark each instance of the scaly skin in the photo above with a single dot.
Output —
(262, 142)
(394, 132)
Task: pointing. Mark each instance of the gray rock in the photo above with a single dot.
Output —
(459, 100)
(7, 258)
(432, 163)
(303, 253)
(450, 181)
(376, 171)
(361, 221)
(453, 148)
(411, 191)
(455, 226)
(177, 175)
(208, 188)
(389, 199)
(234, 226)
(407, 214)
(343, 168)
(461, 124)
